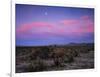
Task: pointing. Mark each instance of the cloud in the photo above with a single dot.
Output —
(88, 24)
(84, 29)
(29, 26)
(79, 27)
(69, 22)
(36, 30)
(45, 30)
(85, 17)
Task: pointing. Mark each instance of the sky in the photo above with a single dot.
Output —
(38, 25)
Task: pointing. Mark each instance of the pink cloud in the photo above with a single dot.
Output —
(83, 25)
(78, 27)
(28, 26)
(88, 25)
(85, 17)
(45, 29)
(69, 22)
(80, 31)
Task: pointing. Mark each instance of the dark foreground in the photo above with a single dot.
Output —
(53, 58)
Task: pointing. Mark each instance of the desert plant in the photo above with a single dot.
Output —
(37, 65)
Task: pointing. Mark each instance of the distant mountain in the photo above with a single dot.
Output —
(80, 44)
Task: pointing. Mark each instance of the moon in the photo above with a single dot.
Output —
(46, 13)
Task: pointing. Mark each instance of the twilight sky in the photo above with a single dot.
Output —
(46, 25)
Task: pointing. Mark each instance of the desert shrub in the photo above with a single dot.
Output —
(32, 56)
(58, 56)
(35, 54)
(70, 58)
(57, 62)
(45, 53)
(37, 65)
(74, 53)
(42, 53)
(63, 55)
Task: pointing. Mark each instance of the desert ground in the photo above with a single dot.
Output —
(54, 57)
